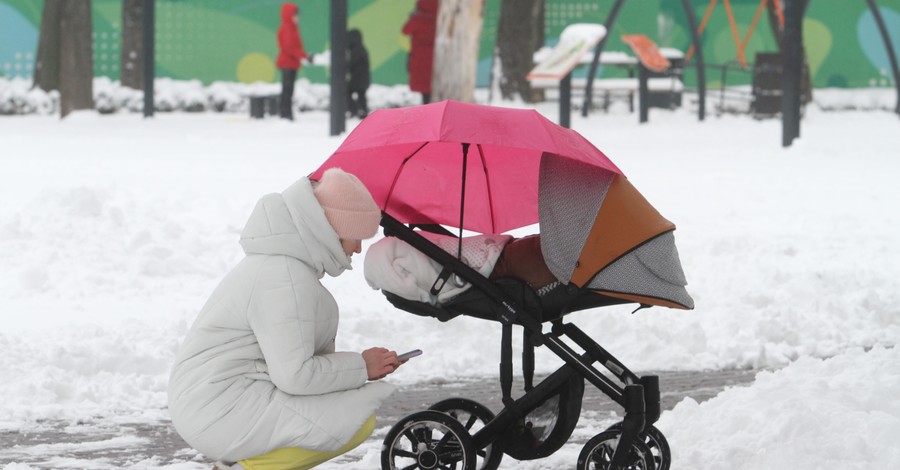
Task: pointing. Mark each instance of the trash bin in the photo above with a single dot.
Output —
(272, 105)
(257, 107)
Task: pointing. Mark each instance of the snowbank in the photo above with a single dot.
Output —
(115, 229)
(18, 97)
(840, 412)
(813, 414)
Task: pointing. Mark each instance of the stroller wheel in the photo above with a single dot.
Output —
(473, 416)
(428, 440)
(597, 454)
(657, 443)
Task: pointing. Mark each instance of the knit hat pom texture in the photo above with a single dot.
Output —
(348, 205)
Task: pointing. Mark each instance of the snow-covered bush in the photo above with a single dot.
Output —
(110, 97)
(859, 99)
(179, 95)
(381, 96)
(225, 97)
(17, 96)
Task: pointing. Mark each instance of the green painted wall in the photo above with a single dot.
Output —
(234, 40)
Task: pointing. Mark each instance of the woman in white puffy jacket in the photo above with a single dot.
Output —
(257, 380)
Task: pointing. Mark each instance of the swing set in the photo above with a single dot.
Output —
(741, 44)
(786, 19)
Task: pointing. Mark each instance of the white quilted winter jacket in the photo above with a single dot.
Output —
(258, 370)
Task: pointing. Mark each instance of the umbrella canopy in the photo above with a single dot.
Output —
(413, 162)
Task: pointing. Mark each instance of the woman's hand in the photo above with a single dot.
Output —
(380, 362)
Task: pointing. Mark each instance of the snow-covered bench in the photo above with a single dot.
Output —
(610, 89)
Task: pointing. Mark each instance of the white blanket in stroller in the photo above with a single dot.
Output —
(395, 266)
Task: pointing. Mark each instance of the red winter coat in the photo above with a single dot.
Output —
(290, 46)
(421, 28)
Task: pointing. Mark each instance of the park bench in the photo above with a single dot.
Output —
(664, 88)
(661, 90)
(651, 64)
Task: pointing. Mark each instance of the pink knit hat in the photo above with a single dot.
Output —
(349, 207)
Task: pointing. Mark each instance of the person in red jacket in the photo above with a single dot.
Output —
(290, 53)
(420, 27)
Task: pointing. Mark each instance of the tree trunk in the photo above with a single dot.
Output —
(456, 50)
(520, 33)
(46, 67)
(76, 68)
(132, 44)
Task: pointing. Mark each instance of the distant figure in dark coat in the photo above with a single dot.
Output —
(359, 74)
(421, 27)
(290, 53)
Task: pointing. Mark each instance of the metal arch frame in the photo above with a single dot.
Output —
(794, 11)
(695, 39)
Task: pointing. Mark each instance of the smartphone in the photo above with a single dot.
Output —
(409, 355)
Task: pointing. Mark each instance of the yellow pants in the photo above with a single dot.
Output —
(295, 458)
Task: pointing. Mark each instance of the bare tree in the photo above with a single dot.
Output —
(132, 44)
(76, 69)
(456, 49)
(520, 33)
(46, 67)
(65, 53)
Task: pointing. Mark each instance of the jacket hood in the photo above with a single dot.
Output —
(293, 224)
(354, 38)
(288, 10)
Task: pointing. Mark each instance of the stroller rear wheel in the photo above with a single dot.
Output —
(473, 416)
(597, 454)
(657, 443)
(428, 440)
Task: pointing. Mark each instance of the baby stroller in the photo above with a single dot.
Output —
(606, 245)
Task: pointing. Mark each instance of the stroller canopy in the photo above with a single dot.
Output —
(598, 232)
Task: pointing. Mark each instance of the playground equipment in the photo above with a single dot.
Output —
(786, 17)
(658, 84)
(650, 61)
(574, 41)
(695, 40)
(792, 52)
(741, 44)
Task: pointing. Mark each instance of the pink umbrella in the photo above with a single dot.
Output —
(458, 164)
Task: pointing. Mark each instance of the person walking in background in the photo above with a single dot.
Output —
(421, 27)
(257, 383)
(360, 75)
(290, 53)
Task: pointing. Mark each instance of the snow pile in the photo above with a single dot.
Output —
(844, 99)
(18, 97)
(115, 229)
(813, 414)
(834, 413)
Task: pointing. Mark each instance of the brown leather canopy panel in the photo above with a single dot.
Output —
(625, 221)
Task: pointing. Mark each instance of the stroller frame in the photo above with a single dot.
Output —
(638, 395)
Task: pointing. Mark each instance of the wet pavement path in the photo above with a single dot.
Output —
(99, 444)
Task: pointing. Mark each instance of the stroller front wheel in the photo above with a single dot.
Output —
(473, 416)
(597, 454)
(428, 440)
(657, 443)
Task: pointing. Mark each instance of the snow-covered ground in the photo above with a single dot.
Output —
(115, 229)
